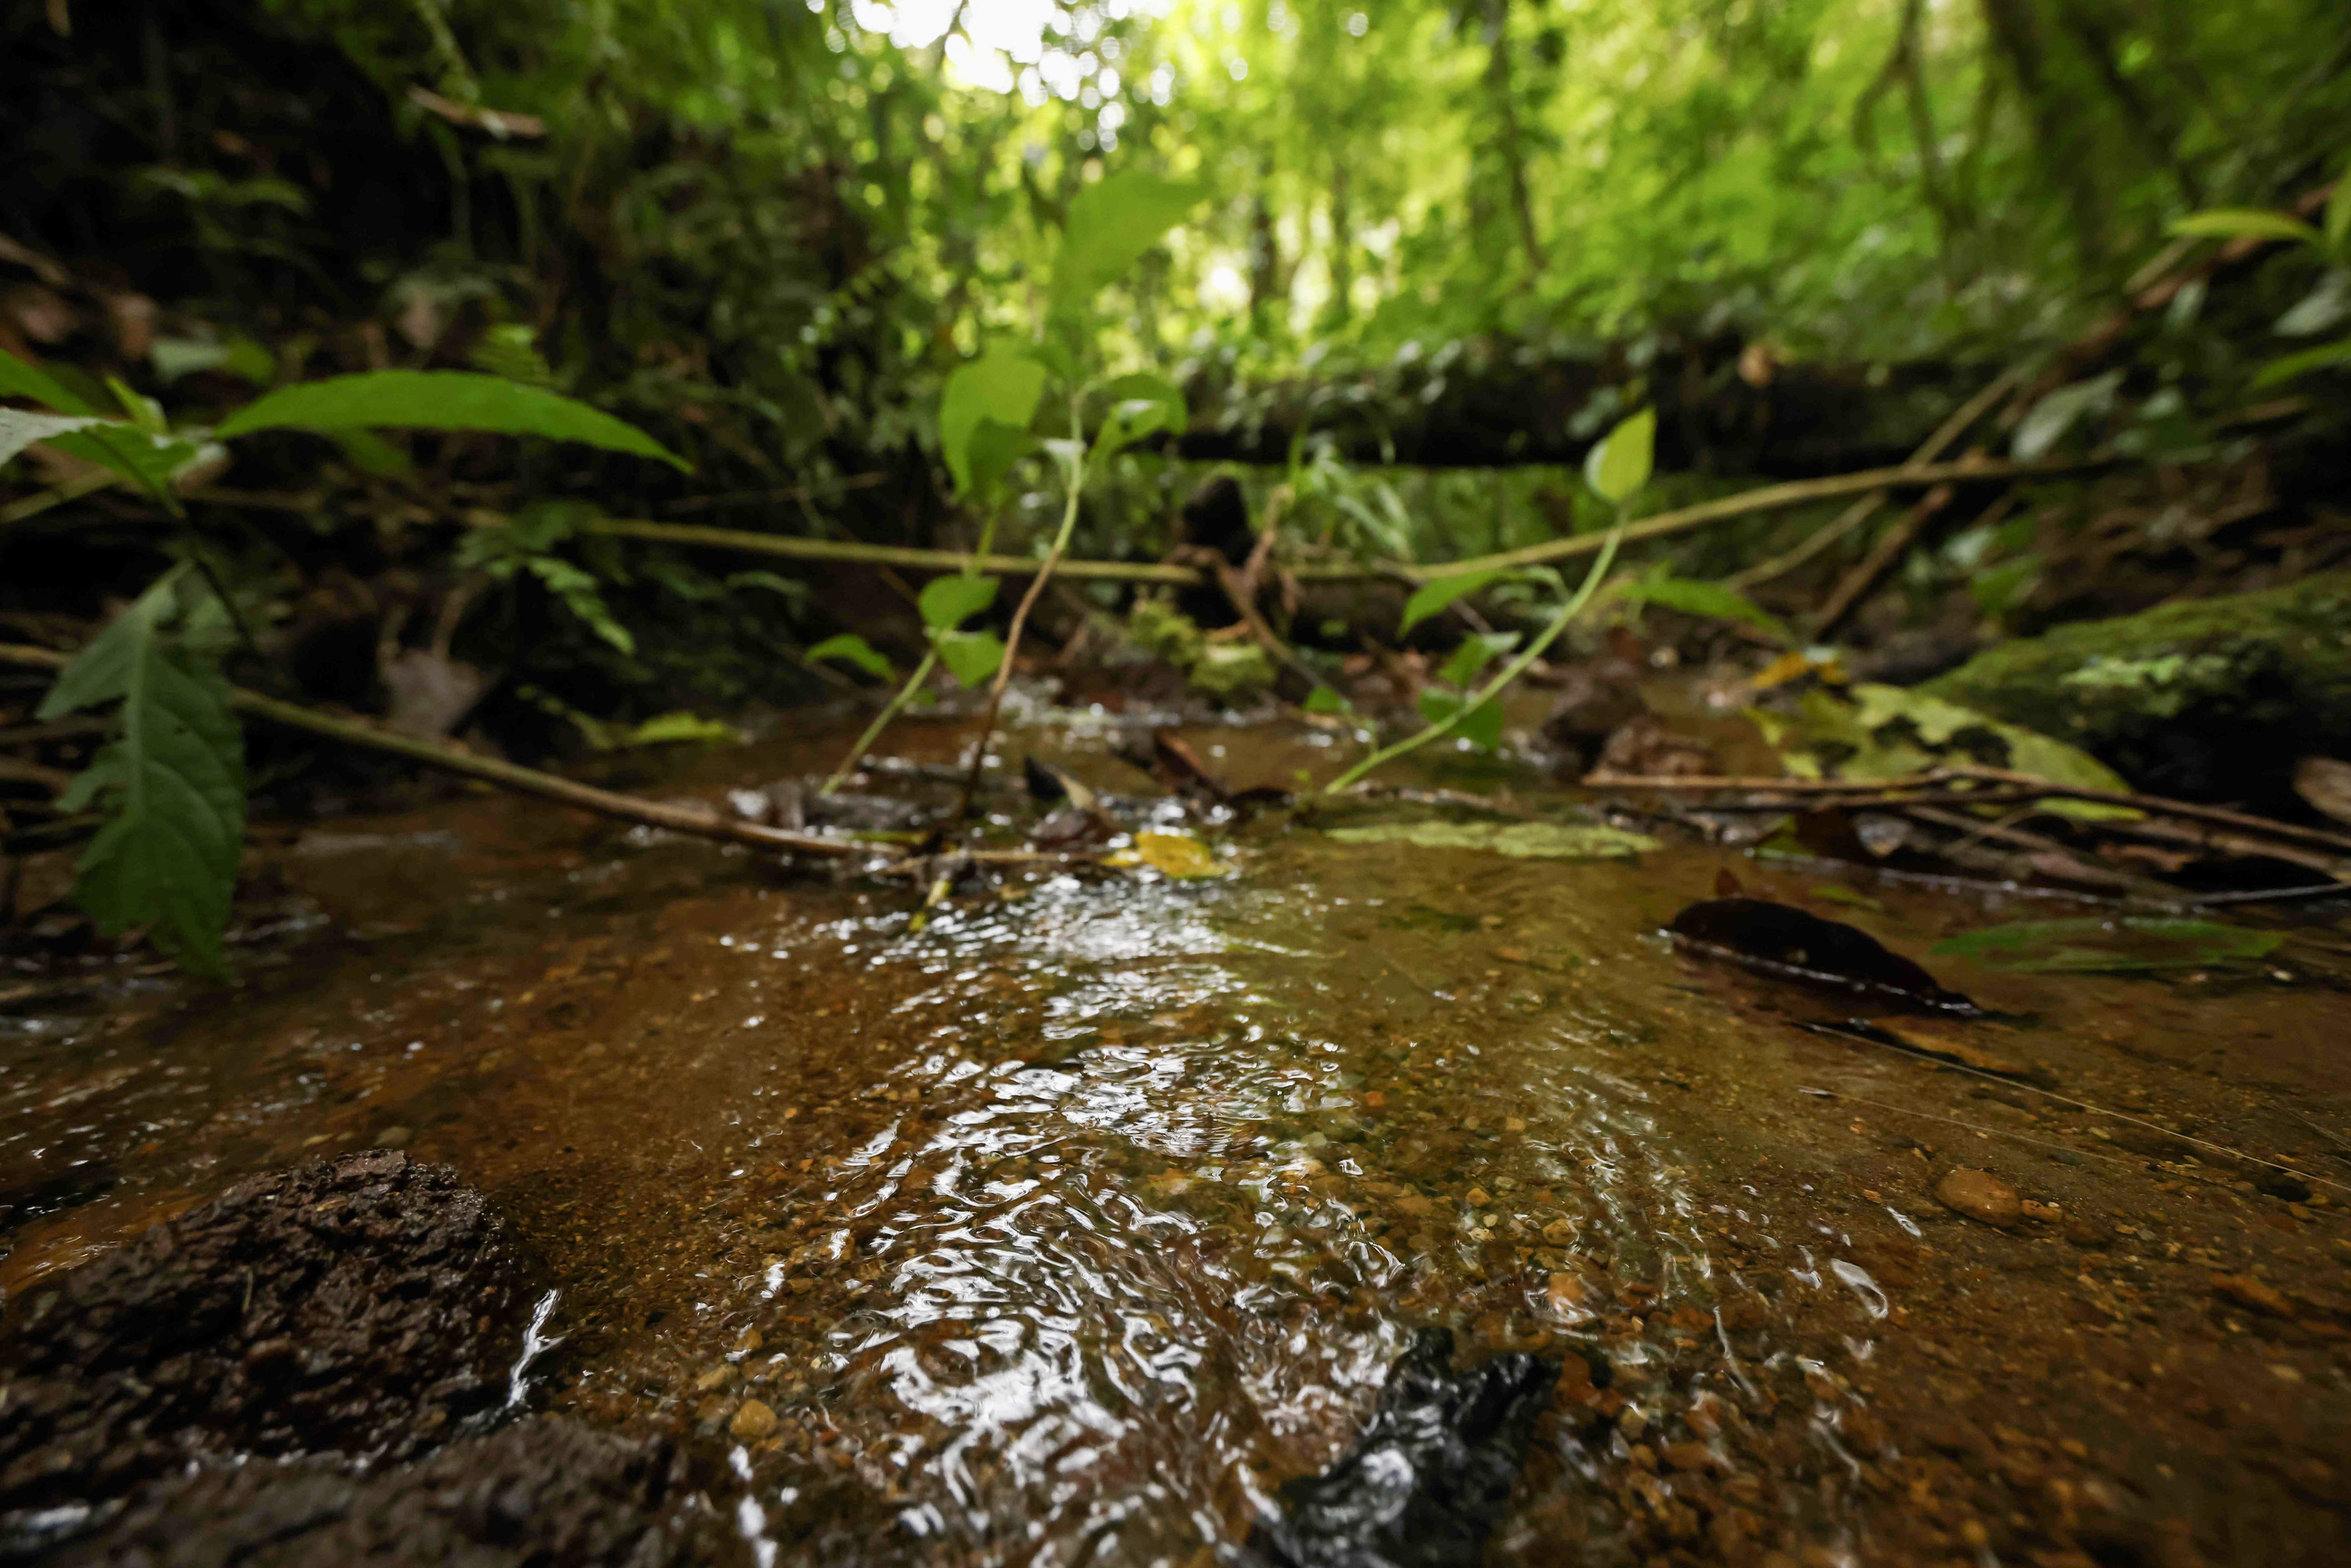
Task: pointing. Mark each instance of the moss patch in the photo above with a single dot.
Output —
(2211, 697)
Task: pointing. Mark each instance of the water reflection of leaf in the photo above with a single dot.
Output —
(1530, 840)
(2129, 943)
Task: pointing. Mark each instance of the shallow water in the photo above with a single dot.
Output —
(1067, 1227)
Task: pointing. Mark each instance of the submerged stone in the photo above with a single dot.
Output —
(1425, 1482)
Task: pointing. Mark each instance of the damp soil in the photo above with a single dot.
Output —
(1087, 1223)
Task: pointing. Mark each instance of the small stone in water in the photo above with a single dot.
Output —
(1979, 1195)
(1478, 1198)
(753, 1420)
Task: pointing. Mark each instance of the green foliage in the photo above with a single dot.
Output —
(1711, 599)
(1141, 404)
(440, 400)
(1110, 225)
(19, 430)
(1438, 593)
(946, 602)
(970, 657)
(2244, 223)
(1890, 732)
(852, 649)
(1620, 464)
(1000, 388)
(526, 546)
(2119, 944)
(172, 779)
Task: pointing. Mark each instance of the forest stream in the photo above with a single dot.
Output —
(1070, 1227)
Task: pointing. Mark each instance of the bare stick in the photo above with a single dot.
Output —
(699, 822)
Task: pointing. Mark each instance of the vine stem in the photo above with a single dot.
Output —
(1510, 672)
(890, 710)
(1012, 639)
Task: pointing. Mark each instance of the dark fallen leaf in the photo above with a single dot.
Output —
(1260, 796)
(1180, 767)
(1780, 939)
(1425, 1482)
(1049, 783)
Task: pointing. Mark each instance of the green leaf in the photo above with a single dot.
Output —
(1711, 599)
(1140, 405)
(992, 451)
(1474, 654)
(583, 596)
(793, 590)
(441, 399)
(2326, 356)
(1480, 726)
(947, 603)
(100, 673)
(1439, 591)
(19, 429)
(172, 780)
(672, 728)
(1621, 464)
(2098, 945)
(18, 379)
(1001, 386)
(2244, 223)
(1324, 699)
(1111, 223)
(970, 657)
(849, 648)
(1531, 841)
(2059, 411)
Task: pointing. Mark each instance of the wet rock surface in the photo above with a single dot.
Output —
(367, 1305)
(1425, 1484)
(549, 1493)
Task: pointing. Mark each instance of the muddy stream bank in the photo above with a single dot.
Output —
(1071, 1226)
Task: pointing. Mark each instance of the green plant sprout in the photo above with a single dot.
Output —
(1618, 468)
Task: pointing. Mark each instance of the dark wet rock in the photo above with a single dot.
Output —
(1597, 698)
(549, 1493)
(1780, 939)
(367, 1303)
(1425, 1483)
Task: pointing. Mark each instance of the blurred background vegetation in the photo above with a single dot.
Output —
(1465, 235)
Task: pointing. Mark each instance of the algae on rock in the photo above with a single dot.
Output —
(2214, 698)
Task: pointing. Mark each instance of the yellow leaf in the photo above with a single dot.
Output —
(1177, 855)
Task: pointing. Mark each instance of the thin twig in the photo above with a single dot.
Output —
(1861, 511)
(699, 822)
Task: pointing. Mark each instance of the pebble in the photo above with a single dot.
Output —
(1979, 1195)
(2258, 1295)
(393, 1137)
(753, 1420)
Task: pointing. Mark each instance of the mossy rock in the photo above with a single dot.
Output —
(2209, 698)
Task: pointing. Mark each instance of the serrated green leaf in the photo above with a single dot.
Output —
(1109, 224)
(852, 649)
(970, 657)
(173, 779)
(946, 602)
(1001, 387)
(2244, 223)
(18, 379)
(1439, 591)
(1623, 460)
(1711, 599)
(441, 399)
(100, 673)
